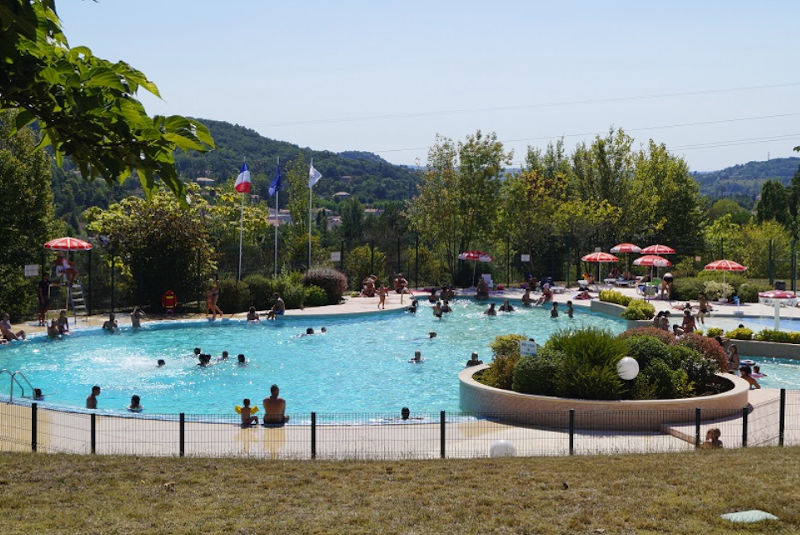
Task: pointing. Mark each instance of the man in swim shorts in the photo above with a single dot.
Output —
(274, 407)
(91, 401)
(278, 308)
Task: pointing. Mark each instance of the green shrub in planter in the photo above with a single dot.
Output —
(333, 282)
(500, 373)
(708, 347)
(699, 369)
(742, 333)
(612, 296)
(233, 296)
(589, 369)
(783, 337)
(639, 310)
(536, 375)
(260, 290)
(665, 382)
(713, 332)
(733, 279)
(315, 296)
(646, 348)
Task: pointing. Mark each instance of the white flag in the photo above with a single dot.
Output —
(313, 176)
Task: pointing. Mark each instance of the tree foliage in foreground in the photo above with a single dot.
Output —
(26, 219)
(85, 105)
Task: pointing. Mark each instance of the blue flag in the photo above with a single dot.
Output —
(275, 185)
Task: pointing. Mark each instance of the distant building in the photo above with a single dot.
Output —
(373, 211)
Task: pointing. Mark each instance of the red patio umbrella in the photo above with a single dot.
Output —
(723, 266)
(475, 256)
(68, 244)
(600, 258)
(626, 248)
(652, 261)
(658, 249)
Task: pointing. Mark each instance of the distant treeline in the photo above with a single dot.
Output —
(745, 180)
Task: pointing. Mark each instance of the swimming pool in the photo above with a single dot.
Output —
(360, 365)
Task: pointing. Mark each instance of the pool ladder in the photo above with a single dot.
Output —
(13, 376)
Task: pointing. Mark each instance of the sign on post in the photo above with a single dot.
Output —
(31, 270)
(527, 348)
(336, 256)
(525, 258)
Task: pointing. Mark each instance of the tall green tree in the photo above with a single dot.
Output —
(352, 213)
(26, 220)
(773, 204)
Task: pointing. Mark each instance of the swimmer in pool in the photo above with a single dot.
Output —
(417, 357)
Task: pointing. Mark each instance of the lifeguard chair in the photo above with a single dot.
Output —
(169, 301)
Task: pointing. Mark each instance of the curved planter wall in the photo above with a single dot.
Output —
(618, 415)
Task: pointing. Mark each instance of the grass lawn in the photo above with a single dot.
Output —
(623, 494)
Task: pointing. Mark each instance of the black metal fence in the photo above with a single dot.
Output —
(775, 422)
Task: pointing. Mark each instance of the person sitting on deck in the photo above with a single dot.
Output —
(278, 308)
(245, 411)
(274, 408)
(5, 329)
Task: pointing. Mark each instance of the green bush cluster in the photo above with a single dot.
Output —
(713, 332)
(686, 289)
(234, 296)
(639, 309)
(257, 290)
(315, 296)
(742, 333)
(506, 354)
(260, 290)
(535, 375)
(708, 347)
(612, 296)
(784, 337)
(333, 282)
(665, 336)
(748, 291)
(718, 290)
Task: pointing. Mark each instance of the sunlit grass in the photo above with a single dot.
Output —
(657, 493)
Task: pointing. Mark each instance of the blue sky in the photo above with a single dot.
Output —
(386, 77)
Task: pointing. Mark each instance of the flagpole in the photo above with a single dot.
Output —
(241, 227)
(276, 221)
(310, 189)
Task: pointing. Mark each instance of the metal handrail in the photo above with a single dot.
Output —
(14, 377)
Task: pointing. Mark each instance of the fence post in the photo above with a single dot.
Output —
(313, 435)
(93, 420)
(441, 435)
(697, 427)
(744, 427)
(182, 435)
(34, 420)
(572, 431)
(782, 417)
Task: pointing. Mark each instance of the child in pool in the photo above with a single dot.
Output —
(135, 405)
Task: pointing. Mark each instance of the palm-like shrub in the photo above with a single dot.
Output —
(333, 282)
(589, 367)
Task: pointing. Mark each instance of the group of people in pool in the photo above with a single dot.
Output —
(508, 307)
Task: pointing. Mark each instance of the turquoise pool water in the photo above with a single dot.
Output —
(360, 365)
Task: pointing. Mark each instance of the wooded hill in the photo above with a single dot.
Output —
(745, 180)
(364, 175)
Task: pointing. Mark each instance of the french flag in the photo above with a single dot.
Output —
(243, 180)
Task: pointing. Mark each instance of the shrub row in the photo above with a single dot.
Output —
(639, 310)
(612, 296)
(769, 335)
(687, 288)
(257, 290)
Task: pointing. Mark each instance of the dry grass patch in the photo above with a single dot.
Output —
(635, 494)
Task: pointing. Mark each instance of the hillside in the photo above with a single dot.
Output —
(746, 179)
(366, 176)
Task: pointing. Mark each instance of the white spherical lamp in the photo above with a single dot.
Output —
(627, 368)
(502, 448)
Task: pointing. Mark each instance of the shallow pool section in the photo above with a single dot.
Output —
(360, 365)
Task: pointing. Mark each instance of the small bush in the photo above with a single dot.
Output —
(639, 310)
(645, 349)
(333, 282)
(612, 296)
(784, 337)
(666, 382)
(536, 375)
(260, 290)
(234, 296)
(665, 336)
(686, 289)
(717, 290)
(500, 373)
(748, 291)
(315, 296)
(708, 347)
(293, 296)
(699, 369)
(742, 333)
(731, 278)
(713, 332)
